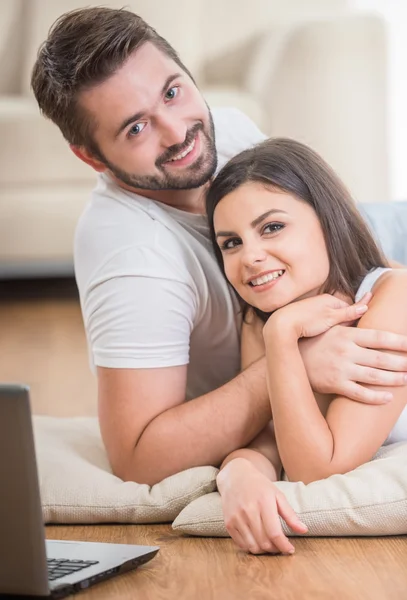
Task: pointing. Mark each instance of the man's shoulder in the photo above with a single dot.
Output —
(125, 233)
(111, 217)
(234, 132)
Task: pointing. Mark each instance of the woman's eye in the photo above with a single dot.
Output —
(171, 93)
(273, 227)
(230, 244)
(136, 129)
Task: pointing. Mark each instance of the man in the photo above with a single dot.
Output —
(162, 323)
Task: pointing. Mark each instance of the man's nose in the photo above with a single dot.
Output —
(173, 130)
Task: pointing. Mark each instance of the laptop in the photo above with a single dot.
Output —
(29, 564)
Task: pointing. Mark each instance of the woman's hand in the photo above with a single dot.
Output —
(313, 316)
(252, 506)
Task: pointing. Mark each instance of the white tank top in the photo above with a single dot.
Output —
(399, 431)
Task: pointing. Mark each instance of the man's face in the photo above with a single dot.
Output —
(153, 128)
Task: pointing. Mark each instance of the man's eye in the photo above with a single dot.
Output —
(171, 93)
(136, 129)
(230, 244)
(273, 227)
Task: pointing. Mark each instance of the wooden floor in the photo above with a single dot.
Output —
(42, 344)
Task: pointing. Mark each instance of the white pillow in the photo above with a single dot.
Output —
(371, 500)
(77, 485)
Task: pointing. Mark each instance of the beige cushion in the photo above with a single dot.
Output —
(371, 500)
(77, 485)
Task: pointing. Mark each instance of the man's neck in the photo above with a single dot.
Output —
(191, 201)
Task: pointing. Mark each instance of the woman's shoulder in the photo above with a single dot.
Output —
(388, 303)
(390, 281)
(387, 308)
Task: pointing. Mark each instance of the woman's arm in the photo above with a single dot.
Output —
(251, 504)
(313, 447)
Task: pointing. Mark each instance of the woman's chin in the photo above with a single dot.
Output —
(269, 302)
(270, 308)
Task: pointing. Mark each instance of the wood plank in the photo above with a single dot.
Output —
(43, 344)
(206, 568)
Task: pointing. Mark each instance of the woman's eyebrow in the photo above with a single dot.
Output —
(254, 223)
(261, 218)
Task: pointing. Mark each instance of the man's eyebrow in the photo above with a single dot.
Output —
(254, 223)
(139, 115)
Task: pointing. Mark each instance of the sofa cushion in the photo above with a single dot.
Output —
(11, 46)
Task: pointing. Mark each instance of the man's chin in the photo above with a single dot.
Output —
(188, 182)
(192, 177)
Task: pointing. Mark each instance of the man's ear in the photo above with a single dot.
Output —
(87, 158)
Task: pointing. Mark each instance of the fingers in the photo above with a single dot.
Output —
(242, 535)
(264, 544)
(345, 313)
(357, 392)
(381, 361)
(365, 299)
(383, 340)
(272, 525)
(348, 314)
(345, 302)
(286, 511)
(372, 376)
(354, 312)
(274, 532)
(259, 529)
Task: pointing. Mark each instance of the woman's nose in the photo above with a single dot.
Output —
(254, 254)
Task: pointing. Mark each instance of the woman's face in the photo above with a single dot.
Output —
(272, 245)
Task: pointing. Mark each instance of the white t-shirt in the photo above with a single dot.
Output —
(151, 291)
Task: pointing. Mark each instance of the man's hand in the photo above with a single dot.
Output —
(340, 360)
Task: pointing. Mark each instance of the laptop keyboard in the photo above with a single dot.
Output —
(59, 567)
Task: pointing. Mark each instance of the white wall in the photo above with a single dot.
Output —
(231, 22)
(395, 13)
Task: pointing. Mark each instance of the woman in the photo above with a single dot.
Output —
(292, 244)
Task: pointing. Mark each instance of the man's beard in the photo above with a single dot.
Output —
(194, 176)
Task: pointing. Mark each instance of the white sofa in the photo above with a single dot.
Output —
(319, 79)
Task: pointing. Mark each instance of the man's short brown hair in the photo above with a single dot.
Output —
(84, 47)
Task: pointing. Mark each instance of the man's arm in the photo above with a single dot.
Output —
(262, 452)
(151, 433)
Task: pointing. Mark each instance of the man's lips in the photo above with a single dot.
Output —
(186, 156)
(184, 152)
